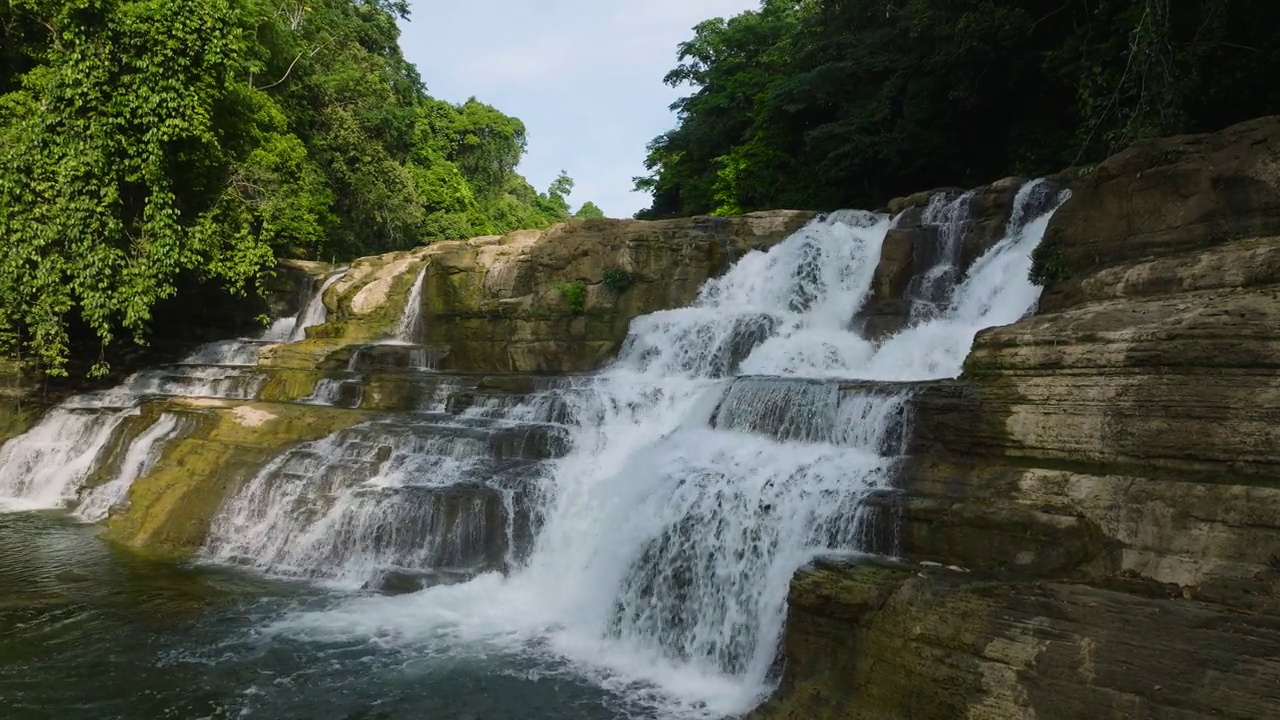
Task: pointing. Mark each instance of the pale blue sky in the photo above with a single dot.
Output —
(585, 76)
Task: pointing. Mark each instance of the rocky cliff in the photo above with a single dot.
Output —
(558, 300)
(488, 307)
(1085, 524)
(1089, 520)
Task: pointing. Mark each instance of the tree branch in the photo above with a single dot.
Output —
(286, 72)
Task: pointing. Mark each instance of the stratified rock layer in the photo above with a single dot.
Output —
(489, 306)
(503, 303)
(1096, 501)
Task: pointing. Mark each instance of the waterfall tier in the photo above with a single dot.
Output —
(640, 523)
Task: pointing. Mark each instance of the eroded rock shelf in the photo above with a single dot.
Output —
(1102, 480)
(1084, 524)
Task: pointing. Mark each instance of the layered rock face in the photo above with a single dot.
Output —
(506, 304)
(558, 300)
(1089, 521)
(343, 394)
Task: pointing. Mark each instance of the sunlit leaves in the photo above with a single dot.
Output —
(146, 145)
(109, 157)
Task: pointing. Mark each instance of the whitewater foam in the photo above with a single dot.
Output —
(669, 533)
(48, 466)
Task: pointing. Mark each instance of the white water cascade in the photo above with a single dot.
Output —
(140, 458)
(637, 527)
(313, 312)
(930, 291)
(50, 465)
(731, 443)
(407, 327)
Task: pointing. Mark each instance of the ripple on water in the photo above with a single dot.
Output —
(89, 632)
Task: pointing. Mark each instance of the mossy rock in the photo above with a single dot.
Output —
(169, 510)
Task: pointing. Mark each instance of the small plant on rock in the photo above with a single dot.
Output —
(575, 294)
(1047, 265)
(617, 279)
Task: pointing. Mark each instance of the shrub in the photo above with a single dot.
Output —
(575, 294)
(1047, 266)
(617, 279)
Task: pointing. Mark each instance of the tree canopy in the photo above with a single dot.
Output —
(589, 211)
(828, 103)
(149, 144)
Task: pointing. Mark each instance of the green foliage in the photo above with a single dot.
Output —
(575, 295)
(617, 279)
(146, 145)
(113, 174)
(828, 103)
(554, 203)
(589, 211)
(1047, 265)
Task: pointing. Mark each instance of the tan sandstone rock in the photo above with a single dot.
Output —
(1108, 471)
(500, 304)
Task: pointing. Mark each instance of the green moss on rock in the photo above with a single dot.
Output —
(170, 509)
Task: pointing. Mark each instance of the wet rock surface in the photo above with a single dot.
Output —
(1087, 521)
(1101, 480)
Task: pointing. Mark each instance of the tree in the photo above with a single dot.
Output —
(827, 103)
(115, 176)
(554, 203)
(589, 211)
(154, 147)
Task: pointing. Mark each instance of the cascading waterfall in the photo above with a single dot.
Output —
(434, 494)
(45, 467)
(407, 328)
(929, 291)
(141, 457)
(669, 532)
(638, 527)
(314, 312)
(49, 466)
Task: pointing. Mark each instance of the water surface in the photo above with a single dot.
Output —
(89, 631)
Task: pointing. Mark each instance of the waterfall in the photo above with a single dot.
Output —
(432, 494)
(49, 465)
(730, 443)
(407, 328)
(141, 457)
(639, 526)
(930, 290)
(45, 467)
(314, 312)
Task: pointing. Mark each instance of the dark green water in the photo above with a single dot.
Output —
(87, 631)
